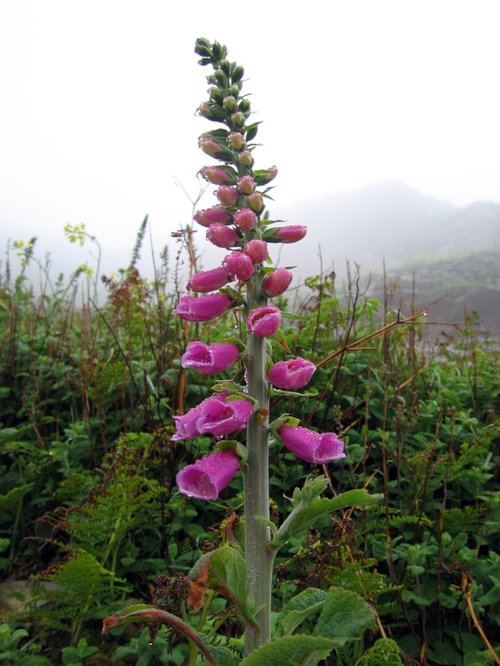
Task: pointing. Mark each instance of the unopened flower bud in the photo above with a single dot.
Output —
(277, 282)
(245, 158)
(229, 103)
(245, 219)
(237, 74)
(219, 175)
(222, 236)
(205, 281)
(264, 321)
(246, 184)
(236, 140)
(256, 250)
(292, 374)
(216, 94)
(244, 106)
(291, 233)
(237, 119)
(234, 90)
(212, 147)
(256, 202)
(211, 112)
(228, 196)
(265, 176)
(202, 308)
(221, 78)
(214, 215)
(239, 265)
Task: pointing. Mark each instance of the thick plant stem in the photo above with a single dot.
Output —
(259, 558)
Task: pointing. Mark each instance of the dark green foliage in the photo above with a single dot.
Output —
(89, 509)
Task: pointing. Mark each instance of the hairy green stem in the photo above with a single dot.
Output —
(259, 559)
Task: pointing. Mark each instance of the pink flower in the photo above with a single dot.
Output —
(291, 233)
(202, 308)
(214, 215)
(219, 175)
(209, 358)
(312, 446)
(228, 196)
(222, 236)
(277, 282)
(292, 374)
(209, 475)
(264, 321)
(246, 184)
(239, 265)
(209, 280)
(245, 219)
(256, 250)
(222, 417)
(186, 425)
(256, 201)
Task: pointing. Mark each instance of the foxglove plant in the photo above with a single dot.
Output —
(238, 223)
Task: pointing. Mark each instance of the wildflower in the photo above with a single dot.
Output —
(265, 176)
(312, 446)
(219, 175)
(239, 265)
(212, 147)
(214, 215)
(256, 250)
(287, 234)
(256, 201)
(221, 417)
(245, 219)
(202, 308)
(292, 374)
(264, 321)
(209, 280)
(228, 196)
(277, 282)
(222, 236)
(209, 475)
(236, 140)
(209, 358)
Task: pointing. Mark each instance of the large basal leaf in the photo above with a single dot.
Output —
(299, 650)
(306, 517)
(299, 609)
(14, 495)
(344, 616)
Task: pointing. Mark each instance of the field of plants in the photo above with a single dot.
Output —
(91, 519)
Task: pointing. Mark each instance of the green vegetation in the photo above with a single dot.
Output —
(91, 521)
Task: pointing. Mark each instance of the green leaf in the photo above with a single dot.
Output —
(306, 517)
(344, 617)
(14, 495)
(228, 571)
(299, 608)
(299, 650)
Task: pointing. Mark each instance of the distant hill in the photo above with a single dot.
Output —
(387, 221)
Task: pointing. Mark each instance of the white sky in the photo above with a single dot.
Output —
(98, 97)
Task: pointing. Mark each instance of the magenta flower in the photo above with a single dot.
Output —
(256, 201)
(222, 236)
(214, 215)
(292, 374)
(264, 321)
(277, 282)
(202, 308)
(219, 175)
(246, 184)
(256, 250)
(312, 446)
(245, 219)
(209, 475)
(215, 415)
(228, 196)
(209, 280)
(209, 358)
(291, 233)
(221, 417)
(239, 264)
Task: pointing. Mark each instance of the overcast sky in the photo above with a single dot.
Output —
(97, 121)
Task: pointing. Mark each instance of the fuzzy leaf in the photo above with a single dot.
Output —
(344, 617)
(299, 650)
(299, 608)
(227, 573)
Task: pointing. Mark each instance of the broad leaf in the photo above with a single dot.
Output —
(344, 617)
(227, 572)
(299, 608)
(299, 650)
